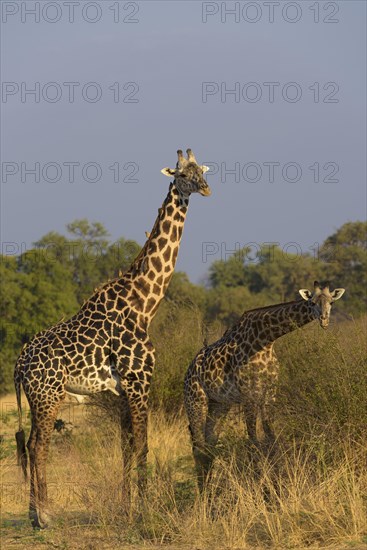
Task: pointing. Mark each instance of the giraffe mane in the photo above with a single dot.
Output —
(271, 307)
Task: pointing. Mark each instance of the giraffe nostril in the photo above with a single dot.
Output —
(324, 322)
(205, 190)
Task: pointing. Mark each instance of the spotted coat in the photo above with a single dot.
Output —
(241, 367)
(106, 346)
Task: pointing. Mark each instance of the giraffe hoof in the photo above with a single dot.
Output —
(39, 521)
(44, 520)
(33, 516)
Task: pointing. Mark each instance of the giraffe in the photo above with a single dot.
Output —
(241, 367)
(106, 346)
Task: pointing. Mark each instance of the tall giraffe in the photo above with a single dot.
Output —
(106, 346)
(241, 367)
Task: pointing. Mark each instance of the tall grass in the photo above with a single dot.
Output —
(291, 502)
(312, 493)
(177, 333)
(323, 383)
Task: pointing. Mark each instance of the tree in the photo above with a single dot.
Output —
(117, 258)
(36, 291)
(51, 281)
(274, 273)
(344, 255)
(229, 273)
(225, 305)
(182, 292)
(279, 273)
(91, 257)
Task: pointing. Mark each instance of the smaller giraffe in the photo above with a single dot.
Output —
(241, 367)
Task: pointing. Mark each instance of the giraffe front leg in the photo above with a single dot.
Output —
(134, 419)
(139, 421)
(271, 486)
(269, 442)
(250, 421)
(127, 451)
(267, 411)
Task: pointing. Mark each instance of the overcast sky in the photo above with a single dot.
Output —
(271, 96)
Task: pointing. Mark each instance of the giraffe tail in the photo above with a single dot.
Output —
(20, 435)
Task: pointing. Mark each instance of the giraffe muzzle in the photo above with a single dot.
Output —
(205, 191)
(324, 322)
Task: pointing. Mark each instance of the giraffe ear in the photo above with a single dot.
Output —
(337, 293)
(168, 172)
(204, 168)
(306, 294)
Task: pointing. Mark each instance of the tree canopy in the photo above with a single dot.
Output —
(51, 281)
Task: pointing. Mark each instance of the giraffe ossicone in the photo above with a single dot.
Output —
(187, 175)
(105, 347)
(241, 368)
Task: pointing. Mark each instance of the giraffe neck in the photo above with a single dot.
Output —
(270, 323)
(149, 275)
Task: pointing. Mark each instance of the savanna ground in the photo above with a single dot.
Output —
(312, 494)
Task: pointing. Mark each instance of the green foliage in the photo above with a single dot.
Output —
(323, 382)
(229, 273)
(280, 274)
(36, 291)
(52, 280)
(345, 259)
(89, 256)
(182, 291)
(274, 275)
(177, 333)
(226, 304)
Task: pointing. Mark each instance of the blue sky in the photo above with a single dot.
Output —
(161, 80)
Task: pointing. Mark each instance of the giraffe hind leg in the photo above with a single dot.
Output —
(134, 444)
(196, 404)
(31, 445)
(38, 446)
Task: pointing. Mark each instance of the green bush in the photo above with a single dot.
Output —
(323, 382)
(177, 333)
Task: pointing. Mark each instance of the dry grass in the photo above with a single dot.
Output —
(312, 495)
(296, 502)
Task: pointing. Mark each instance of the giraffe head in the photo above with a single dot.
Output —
(188, 175)
(322, 299)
